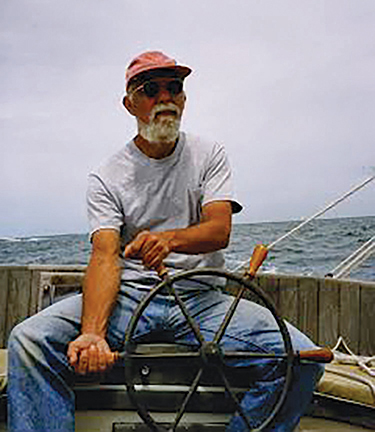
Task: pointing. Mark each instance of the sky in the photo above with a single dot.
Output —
(287, 86)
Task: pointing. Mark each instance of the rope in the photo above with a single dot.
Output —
(364, 363)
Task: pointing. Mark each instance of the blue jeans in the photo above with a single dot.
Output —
(40, 379)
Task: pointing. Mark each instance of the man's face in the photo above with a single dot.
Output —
(158, 105)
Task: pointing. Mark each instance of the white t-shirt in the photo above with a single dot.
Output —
(132, 192)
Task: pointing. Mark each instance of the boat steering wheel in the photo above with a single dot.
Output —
(210, 354)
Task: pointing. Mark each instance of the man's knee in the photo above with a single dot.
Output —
(24, 340)
(19, 334)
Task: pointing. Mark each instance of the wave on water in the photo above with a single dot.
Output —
(25, 239)
(33, 239)
(9, 239)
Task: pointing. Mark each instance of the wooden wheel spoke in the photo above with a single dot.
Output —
(189, 319)
(229, 315)
(248, 355)
(237, 403)
(184, 405)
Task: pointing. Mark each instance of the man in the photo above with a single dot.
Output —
(165, 199)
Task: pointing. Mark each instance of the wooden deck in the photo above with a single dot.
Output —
(99, 421)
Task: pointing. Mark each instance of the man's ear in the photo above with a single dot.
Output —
(126, 101)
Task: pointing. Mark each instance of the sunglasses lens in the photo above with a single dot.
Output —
(175, 87)
(151, 89)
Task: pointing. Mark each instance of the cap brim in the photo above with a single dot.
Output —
(169, 71)
(182, 71)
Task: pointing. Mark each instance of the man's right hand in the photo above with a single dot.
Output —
(90, 353)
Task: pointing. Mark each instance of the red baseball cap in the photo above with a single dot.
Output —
(149, 61)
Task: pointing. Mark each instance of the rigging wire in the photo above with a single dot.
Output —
(265, 248)
(354, 260)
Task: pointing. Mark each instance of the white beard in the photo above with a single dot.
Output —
(162, 129)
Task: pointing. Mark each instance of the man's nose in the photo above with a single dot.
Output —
(164, 95)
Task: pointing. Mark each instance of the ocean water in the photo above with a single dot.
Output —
(314, 250)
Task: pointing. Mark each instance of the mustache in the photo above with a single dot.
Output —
(165, 107)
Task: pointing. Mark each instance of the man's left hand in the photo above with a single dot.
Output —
(152, 248)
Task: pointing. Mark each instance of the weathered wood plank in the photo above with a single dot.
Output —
(367, 325)
(3, 305)
(349, 319)
(288, 299)
(18, 298)
(34, 292)
(308, 307)
(270, 285)
(329, 310)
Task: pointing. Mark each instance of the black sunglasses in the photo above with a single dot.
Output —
(152, 88)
